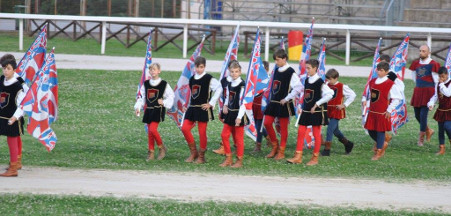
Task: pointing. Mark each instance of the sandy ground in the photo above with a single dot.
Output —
(100, 62)
(418, 195)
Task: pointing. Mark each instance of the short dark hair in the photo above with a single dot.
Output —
(384, 66)
(385, 57)
(280, 53)
(332, 73)
(313, 62)
(266, 65)
(199, 61)
(442, 70)
(8, 59)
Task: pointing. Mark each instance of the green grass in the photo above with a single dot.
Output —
(90, 46)
(26, 204)
(97, 129)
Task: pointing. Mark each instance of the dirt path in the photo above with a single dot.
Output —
(256, 189)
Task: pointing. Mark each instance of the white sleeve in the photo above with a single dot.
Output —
(168, 97)
(140, 101)
(435, 77)
(19, 98)
(242, 109)
(433, 99)
(226, 99)
(414, 76)
(445, 90)
(215, 86)
(363, 98)
(396, 97)
(326, 95)
(296, 87)
(349, 95)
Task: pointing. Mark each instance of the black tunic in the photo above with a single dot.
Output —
(234, 105)
(8, 106)
(154, 112)
(312, 94)
(280, 89)
(200, 94)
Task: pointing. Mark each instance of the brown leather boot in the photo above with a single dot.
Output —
(280, 154)
(384, 147)
(194, 154)
(161, 152)
(442, 150)
(150, 155)
(314, 160)
(201, 158)
(297, 159)
(268, 141)
(378, 155)
(273, 152)
(421, 138)
(326, 150)
(19, 162)
(228, 161)
(12, 170)
(238, 163)
(388, 137)
(258, 147)
(220, 150)
(429, 133)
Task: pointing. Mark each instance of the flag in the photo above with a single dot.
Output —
(398, 66)
(266, 98)
(231, 54)
(182, 91)
(262, 78)
(41, 103)
(322, 60)
(247, 98)
(147, 62)
(305, 56)
(448, 61)
(373, 74)
(306, 51)
(33, 59)
(282, 43)
(399, 59)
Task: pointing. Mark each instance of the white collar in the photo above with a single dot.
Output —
(236, 82)
(197, 76)
(426, 61)
(284, 68)
(381, 80)
(155, 82)
(229, 78)
(336, 83)
(10, 81)
(312, 79)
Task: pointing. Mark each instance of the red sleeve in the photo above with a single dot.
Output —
(413, 66)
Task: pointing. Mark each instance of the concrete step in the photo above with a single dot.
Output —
(427, 15)
(432, 4)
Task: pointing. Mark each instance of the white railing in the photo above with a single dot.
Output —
(266, 27)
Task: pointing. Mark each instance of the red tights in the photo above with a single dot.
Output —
(153, 135)
(302, 130)
(201, 126)
(238, 139)
(15, 146)
(269, 120)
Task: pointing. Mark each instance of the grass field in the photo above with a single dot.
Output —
(26, 204)
(115, 48)
(97, 129)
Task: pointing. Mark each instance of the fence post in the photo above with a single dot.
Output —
(266, 43)
(429, 41)
(185, 40)
(21, 34)
(348, 47)
(102, 51)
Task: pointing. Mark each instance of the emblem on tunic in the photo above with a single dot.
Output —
(152, 94)
(231, 97)
(308, 95)
(4, 99)
(195, 91)
(374, 95)
(276, 86)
